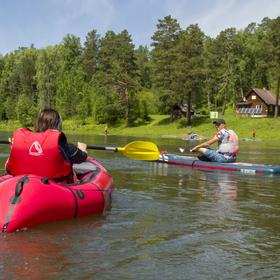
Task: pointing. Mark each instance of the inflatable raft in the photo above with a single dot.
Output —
(194, 162)
(29, 200)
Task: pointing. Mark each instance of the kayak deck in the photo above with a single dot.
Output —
(193, 162)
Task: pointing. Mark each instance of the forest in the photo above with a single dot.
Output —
(109, 80)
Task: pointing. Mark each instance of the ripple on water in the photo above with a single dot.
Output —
(165, 223)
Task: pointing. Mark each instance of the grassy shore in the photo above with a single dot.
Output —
(161, 126)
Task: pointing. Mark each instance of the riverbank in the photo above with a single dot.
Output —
(161, 126)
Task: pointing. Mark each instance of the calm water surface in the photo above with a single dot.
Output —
(166, 222)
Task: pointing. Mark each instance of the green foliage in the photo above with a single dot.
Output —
(70, 87)
(190, 71)
(107, 108)
(111, 81)
(163, 59)
(90, 54)
(26, 71)
(47, 71)
(84, 107)
(144, 66)
(118, 76)
(25, 110)
(9, 107)
(148, 104)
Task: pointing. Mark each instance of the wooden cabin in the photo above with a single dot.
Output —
(180, 110)
(257, 103)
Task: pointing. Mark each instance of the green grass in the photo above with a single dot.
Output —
(160, 125)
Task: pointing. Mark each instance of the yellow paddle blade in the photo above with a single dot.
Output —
(141, 150)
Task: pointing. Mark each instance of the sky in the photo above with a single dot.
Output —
(46, 22)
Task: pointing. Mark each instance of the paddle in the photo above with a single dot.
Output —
(140, 150)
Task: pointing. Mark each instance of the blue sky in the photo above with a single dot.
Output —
(46, 22)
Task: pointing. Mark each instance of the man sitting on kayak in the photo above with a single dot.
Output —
(227, 141)
(46, 151)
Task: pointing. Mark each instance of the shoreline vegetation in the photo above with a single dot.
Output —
(107, 80)
(160, 126)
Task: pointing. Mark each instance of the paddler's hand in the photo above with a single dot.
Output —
(194, 149)
(11, 140)
(82, 146)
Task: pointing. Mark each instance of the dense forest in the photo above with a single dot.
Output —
(109, 80)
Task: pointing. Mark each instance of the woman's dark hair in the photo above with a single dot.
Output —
(48, 119)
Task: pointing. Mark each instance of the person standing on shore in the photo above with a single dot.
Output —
(106, 130)
(254, 133)
(227, 145)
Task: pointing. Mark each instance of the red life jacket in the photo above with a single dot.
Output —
(37, 153)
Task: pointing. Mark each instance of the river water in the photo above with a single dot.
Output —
(166, 222)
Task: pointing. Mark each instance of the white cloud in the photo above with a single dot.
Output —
(101, 13)
(214, 16)
(47, 22)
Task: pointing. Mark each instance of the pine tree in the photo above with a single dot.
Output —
(163, 57)
(90, 54)
(190, 67)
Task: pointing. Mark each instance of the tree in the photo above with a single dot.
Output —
(26, 71)
(71, 51)
(142, 55)
(189, 66)
(90, 54)
(274, 38)
(25, 110)
(229, 50)
(47, 71)
(107, 106)
(9, 85)
(71, 77)
(163, 57)
(119, 71)
(212, 64)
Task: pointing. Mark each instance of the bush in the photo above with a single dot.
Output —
(25, 110)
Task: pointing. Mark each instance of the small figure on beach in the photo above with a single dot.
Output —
(192, 136)
(254, 133)
(106, 130)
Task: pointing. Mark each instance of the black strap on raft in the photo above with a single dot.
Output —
(14, 199)
(19, 188)
(80, 194)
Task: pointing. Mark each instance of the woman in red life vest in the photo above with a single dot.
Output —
(46, 151)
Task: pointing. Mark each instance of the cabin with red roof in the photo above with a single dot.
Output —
(257, 103)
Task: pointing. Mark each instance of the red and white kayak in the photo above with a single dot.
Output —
(29, 200)
(240, 167)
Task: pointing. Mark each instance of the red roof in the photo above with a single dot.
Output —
(265, 95)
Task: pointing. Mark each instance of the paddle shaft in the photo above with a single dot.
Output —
(113, 149)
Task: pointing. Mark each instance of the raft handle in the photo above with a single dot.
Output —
(80, 194)
(19, 188)
(45, 180)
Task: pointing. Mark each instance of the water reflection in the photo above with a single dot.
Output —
(46, 249)
(31, 257)
(220, 185)
(166, 222)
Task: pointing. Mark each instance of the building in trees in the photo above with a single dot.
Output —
(257, 103)
(180, 110)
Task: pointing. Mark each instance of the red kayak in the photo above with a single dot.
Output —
(29, 200)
